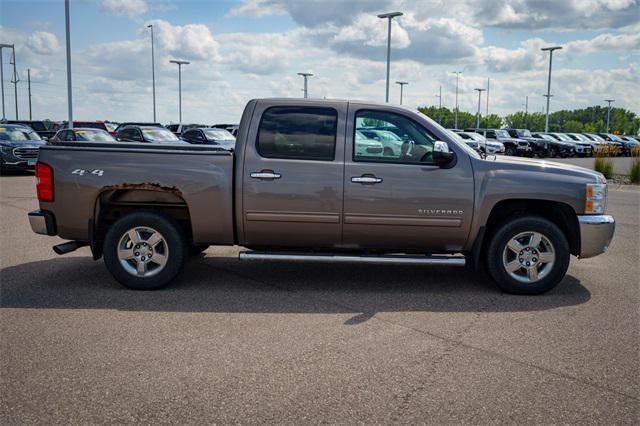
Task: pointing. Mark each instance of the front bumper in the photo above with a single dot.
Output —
(42, 222)
(596, 233)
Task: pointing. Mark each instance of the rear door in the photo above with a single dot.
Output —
(293, 175)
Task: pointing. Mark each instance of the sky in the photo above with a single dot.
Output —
(245, 49)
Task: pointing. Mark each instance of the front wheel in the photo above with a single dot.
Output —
(144, 250)
(511, 150)
(528, 255)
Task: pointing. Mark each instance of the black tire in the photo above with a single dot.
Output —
(524, 224)
(175, 255)
(195, 250)
(511, 151)
(553, 152)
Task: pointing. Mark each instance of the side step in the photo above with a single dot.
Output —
(342, 258)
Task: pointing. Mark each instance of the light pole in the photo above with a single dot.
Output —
(29, 89)
(389, 16)
(457, 73)
(439, 96)
(548, 95)
(526, 111)
(180, 64)
(479, 96)
(68, 36)
(305, 75)
(2, 46)
(153, 73)
(401, 83)
(487, 113)
(608, 101)
(15, 78)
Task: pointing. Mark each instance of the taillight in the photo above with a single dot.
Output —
(44, 185)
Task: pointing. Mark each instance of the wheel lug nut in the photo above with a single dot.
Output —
(521, 260)
(528, 263)
(143, 258)
(527, 249)
(137, 253)
(534, 259)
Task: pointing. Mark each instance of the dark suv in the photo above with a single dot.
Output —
(540, 147)
(512, 146)
(556, 148)
(149, 134)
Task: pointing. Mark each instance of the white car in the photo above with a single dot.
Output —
(366, 147)
(391, 142)
(490, 147)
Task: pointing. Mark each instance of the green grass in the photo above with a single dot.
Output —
(603, 165)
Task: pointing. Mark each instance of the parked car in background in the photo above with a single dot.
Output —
(489, 147)
(46, 129)
(209, 136)
(582, 149)
(540, 147)
(603, 142)
(512, 146)
(391, 142)
(614, 140)
(19, 146)
(368, 147)
(178, 129)
(150, 134)
(231, 128)
(137, 123)
(107, 127)
(629, 143)
(471, 142)
(557, 148)
(82, 135)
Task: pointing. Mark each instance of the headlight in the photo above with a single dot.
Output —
(6, 149)
(596, 198)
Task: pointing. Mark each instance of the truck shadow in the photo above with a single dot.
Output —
(224, 284)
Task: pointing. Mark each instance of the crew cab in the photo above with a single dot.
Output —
(540, 147)
(298, 188)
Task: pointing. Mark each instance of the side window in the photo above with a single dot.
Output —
(389, 137)
(66, 136)
(302, 133)
(490, 134)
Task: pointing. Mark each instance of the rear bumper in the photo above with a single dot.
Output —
(596, 233)
(42, 222)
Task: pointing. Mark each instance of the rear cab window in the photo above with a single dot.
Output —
(298, 132)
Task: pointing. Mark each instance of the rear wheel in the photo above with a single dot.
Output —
(144, 250)
(529, 255)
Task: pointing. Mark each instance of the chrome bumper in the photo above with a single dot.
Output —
(596, 232)
(42, 222)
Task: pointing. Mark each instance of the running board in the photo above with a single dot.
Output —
(342, 258)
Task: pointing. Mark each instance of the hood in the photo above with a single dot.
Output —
(533, 165)
(23, 144)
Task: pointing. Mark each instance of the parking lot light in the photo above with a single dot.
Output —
(402, 84)
(457, 73)
(180, 64)
(389, 16)
(305, 75)
(153, 73)
(548, 95)
(608, 101)
(479, 96)
(68, 40)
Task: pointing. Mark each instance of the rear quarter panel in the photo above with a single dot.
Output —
(202, 178)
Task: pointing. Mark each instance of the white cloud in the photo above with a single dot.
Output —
(43, 43)
(191, 41)
(129, 8)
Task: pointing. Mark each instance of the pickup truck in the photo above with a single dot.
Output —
(298, 188)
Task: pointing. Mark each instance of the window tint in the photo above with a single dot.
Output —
(66, 135)
(390, 137)
(306, 133)
(193, 135)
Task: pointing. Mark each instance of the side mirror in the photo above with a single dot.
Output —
(45, 138)
(441, 153)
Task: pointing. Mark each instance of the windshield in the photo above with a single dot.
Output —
(111, 127)
(18, 134)
(218, 134)
(500, 134)
(159, 135)
(615, 138)
(472, 152)
(93, 136)
(524, 133)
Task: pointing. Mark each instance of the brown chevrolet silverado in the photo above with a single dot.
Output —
(322, 181)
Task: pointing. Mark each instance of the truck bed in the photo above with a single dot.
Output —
(193, 177)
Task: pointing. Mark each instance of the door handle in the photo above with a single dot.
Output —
(266, 175)
(366, 180)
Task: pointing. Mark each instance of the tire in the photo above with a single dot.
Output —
(511, 151)
(553, 152)
(541, 276)
(161, 260)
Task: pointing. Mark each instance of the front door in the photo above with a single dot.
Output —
(400, 199)
(293, 174)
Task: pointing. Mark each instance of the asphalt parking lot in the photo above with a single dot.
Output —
(235, 342)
